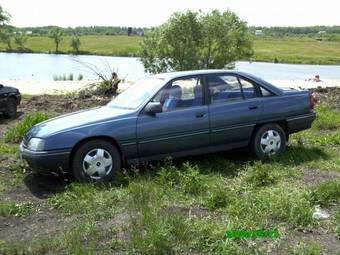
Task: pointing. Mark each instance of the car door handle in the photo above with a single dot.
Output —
(200, 115)
(253, 107)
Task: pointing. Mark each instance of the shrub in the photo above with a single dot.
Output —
(327, 118)
(16, 133)
(80, 77)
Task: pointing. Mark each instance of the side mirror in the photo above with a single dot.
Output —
(153, 107)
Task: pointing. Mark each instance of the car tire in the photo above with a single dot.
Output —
(268, 141)
(95, 161)
(11, 108)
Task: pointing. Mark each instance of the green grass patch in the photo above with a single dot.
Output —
(327, 193)
(8, 149)
(16, 133)
(327, 118)
(16, 209)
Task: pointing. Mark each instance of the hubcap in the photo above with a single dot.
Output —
(270, 142)
(97, 163)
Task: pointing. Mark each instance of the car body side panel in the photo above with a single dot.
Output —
(173, 131)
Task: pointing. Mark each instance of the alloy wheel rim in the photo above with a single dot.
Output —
(97, 163)
(270, 142)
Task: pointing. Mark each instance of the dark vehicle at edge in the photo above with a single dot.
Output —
(176, 114)
(9, 100)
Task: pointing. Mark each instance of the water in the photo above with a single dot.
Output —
(15, 66)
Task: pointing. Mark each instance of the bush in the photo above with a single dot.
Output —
(327, 118)
(16, 133)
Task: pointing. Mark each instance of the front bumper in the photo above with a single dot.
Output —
(45, 160)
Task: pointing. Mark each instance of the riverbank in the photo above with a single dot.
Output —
(64, 87)
(290, 50)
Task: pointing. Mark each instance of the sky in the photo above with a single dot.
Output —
(148, 13)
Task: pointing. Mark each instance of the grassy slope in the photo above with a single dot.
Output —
(286, 50)
(186, 207)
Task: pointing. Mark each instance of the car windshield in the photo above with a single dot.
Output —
(137, 93)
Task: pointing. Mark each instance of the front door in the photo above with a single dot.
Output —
(183, 125)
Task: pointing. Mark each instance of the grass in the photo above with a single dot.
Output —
(186, 206)
(267, 49)
(16, 134)
(97, 45)
(296, 51)
(16, 209)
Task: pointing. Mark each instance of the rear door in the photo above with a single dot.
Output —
(234, 108)
(182, 126)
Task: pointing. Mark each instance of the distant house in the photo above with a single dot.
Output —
(321, 33)
(29, 32)
(259, 32)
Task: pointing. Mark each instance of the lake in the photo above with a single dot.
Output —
(27, 66)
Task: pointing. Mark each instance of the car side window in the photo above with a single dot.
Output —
(181, 93)
(224, 88)
(266, 93)
(248, 88)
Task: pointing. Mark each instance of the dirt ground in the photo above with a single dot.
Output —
(47, 221)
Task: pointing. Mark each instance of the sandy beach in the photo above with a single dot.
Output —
(62, 87)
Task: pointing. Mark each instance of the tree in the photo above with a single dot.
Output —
(56, 34)
(6, 38)
(20, 39)
(75, 44)
(192, 40)
(4, 16)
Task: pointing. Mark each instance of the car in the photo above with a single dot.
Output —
(9, 100)
(176, 114)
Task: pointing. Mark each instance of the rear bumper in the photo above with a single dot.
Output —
(45, 160)
(300, 122)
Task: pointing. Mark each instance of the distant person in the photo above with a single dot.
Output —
(315, 79)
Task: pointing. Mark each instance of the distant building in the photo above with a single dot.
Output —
(259, 32)
(320, 33)
(29, 32)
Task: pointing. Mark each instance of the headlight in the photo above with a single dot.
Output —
(36, 144)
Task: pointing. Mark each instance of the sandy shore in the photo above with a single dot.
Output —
(62, 87)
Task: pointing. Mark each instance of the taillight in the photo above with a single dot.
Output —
(311, 101)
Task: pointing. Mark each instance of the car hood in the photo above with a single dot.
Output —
(76, 120)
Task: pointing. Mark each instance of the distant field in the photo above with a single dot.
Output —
(98, 45)
(283, 50)
(295, 50)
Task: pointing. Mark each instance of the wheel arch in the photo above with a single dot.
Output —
(87, 139)
(282, 123)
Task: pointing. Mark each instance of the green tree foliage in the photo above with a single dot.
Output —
(75, 44)
(4, 16)
(192, 40)
(20, 39)
(6, 37)
(56, 34)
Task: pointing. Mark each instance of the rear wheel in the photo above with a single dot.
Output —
(11, 108)
(269, 141)
(96, 161)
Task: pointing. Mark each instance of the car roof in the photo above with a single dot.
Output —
(173, 75)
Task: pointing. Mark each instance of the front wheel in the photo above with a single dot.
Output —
(269, 141)
(96, 161)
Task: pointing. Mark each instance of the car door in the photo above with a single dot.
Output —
(234, 108)
(182, 126)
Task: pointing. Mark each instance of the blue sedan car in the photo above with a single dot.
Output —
(176, 114)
